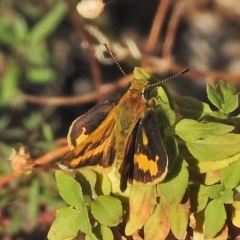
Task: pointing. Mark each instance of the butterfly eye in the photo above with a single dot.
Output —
(146, 93)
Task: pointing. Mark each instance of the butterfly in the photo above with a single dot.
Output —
(125, 135)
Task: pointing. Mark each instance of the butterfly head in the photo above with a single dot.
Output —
(143, 81)
(140, 80)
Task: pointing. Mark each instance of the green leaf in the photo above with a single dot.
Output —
(41, 75)
(224, 96)
(191, 130)
(178, 216)
(69, 189)
(141, 205)
(219, 191)
(66, 224)
(162, 107)
(102, 232)
(214, 191)
(6, 32)
(171, 146)
(215, 216)
(173, 188)
(46, 26)
(157, 220)
(47, 132)
(69, 222)
(213, 96)
(37, 54)
(227, 196)
(9, 83)
(230, 176)
(208, 141)
(13, 29)
(192, 108)
(33, 196)
(84, 223)
(198, 197)
(235, 121)
(107, 210)
(87, 179)
(105, 184)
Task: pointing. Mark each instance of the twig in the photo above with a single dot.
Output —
(157, 25)
(52, 155)
(6, 179)
(40, 162)
(159, 66)
(171, 32)
(214, 75)
(65, 101)
(83, 36)
(227, 12)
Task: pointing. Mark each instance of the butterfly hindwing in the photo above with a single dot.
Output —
(150, 160)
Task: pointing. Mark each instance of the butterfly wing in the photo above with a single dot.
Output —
(150, 157)
(84, 125)
(146, 159)
(93, 144)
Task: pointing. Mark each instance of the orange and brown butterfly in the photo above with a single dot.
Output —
(125, 135)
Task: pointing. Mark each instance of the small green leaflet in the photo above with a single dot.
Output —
(224, 96)
(107, 210)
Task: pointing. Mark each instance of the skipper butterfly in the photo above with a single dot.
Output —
(125, 135)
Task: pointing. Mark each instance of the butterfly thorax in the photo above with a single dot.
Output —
(133, 108)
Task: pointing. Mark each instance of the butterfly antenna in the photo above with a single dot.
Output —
(115, 60)
(170, 78)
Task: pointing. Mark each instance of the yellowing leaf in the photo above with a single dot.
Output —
(140, 206)
(236, 205)
(178, 216)
(212, 177)
(236, 217)
(203, 167)
(158, 220)
(222, 235)
(102, 232)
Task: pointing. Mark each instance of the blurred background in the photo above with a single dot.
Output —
(53, 68)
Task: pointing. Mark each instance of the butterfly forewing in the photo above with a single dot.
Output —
(95, 148)
(84, 125)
